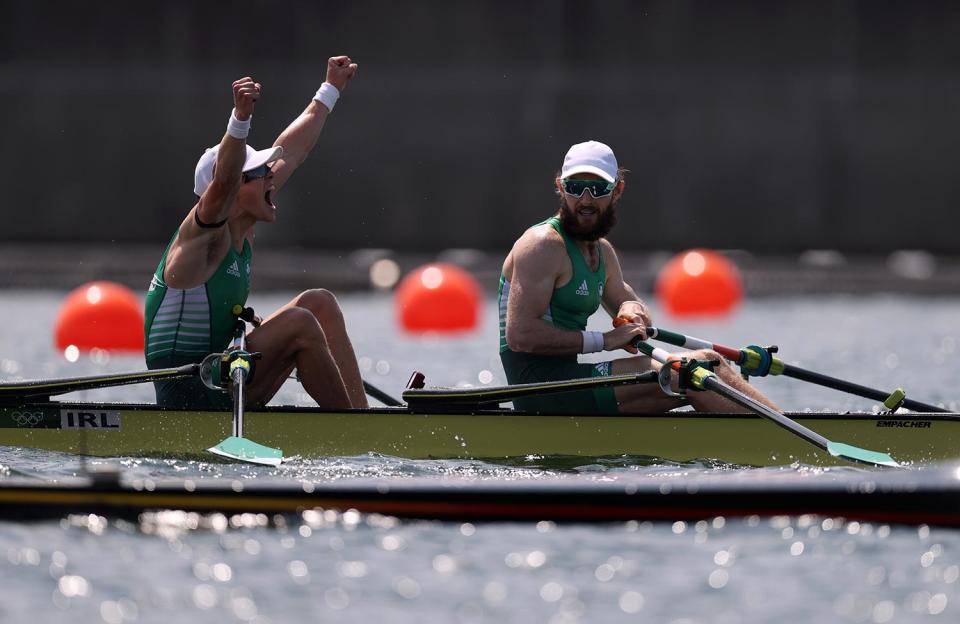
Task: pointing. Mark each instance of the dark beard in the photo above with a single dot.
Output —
(605, 223)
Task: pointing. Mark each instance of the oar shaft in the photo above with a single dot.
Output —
(238, 375)
(737, 357)
(238, 381)
(380, 395)
(718, 386)
(476, 397)
(852, 388)
(52, 387)
(707, 380)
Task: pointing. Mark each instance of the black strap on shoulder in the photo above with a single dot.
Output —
(196, 217)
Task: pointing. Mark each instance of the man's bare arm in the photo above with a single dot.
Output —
(196, 252)
(536, 261)
(299, 138)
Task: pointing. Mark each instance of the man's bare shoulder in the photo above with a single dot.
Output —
(606, 247)
(539, 249)
(540, 239)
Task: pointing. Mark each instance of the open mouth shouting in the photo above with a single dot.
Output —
(268, 197)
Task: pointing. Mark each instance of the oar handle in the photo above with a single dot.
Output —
(689, 342)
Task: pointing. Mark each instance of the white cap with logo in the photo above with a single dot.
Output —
(203, 174)
(590, 157)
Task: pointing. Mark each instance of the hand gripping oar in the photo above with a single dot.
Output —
(702, 378)
(760, 362)
(236, 446)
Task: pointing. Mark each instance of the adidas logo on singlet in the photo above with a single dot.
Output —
(234, 269)
(584, 290)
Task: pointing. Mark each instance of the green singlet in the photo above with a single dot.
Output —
(570, 307)
(184, 326)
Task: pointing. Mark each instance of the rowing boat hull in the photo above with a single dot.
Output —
(114, 430)
(928, 495)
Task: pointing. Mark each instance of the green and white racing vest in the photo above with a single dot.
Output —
(184, 326)
(571, 304)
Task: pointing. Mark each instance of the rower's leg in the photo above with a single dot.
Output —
(711, 402)
(324, 307)
(293, 338)
(647, 397)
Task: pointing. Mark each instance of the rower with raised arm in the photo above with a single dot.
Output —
(205, 270)
(557, 275)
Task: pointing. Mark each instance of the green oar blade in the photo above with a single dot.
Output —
(863, 456)
(242, 449)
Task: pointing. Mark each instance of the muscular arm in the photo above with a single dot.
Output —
(196, 252)
(536, 263)
(300, 137)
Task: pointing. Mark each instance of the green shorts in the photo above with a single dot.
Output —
(528, 368)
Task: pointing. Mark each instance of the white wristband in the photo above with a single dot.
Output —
(327, 95)
(236, 128)
(592, 342)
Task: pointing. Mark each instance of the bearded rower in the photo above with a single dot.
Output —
(205, 270)
(558, 273)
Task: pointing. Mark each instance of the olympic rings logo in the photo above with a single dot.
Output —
(27, 419)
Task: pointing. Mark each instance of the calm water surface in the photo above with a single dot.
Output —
(352, 568)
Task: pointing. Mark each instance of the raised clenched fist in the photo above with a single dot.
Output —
(246, 92)
(340, 69)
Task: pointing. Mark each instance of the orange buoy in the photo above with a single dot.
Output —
(438, 297)
(100, 315)
(699, 282)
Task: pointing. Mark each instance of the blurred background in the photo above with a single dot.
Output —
(815, 142)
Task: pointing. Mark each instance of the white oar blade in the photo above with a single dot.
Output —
(863, 456)
(244, 450)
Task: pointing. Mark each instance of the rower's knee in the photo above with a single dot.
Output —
(722, 368)
(302, 327)
(703, 355)
(321, 303)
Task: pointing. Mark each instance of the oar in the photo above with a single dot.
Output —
(758, 361)
(236, 446)
(380, 395)
(704, 379)
(51, 387)
(425, 398)
(371, 390)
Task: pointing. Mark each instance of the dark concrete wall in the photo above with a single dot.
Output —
(764, 125)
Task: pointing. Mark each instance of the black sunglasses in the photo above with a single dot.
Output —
(255, 174)
(598, 188)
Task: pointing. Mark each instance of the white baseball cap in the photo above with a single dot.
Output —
(203, 175)
(590, 157)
